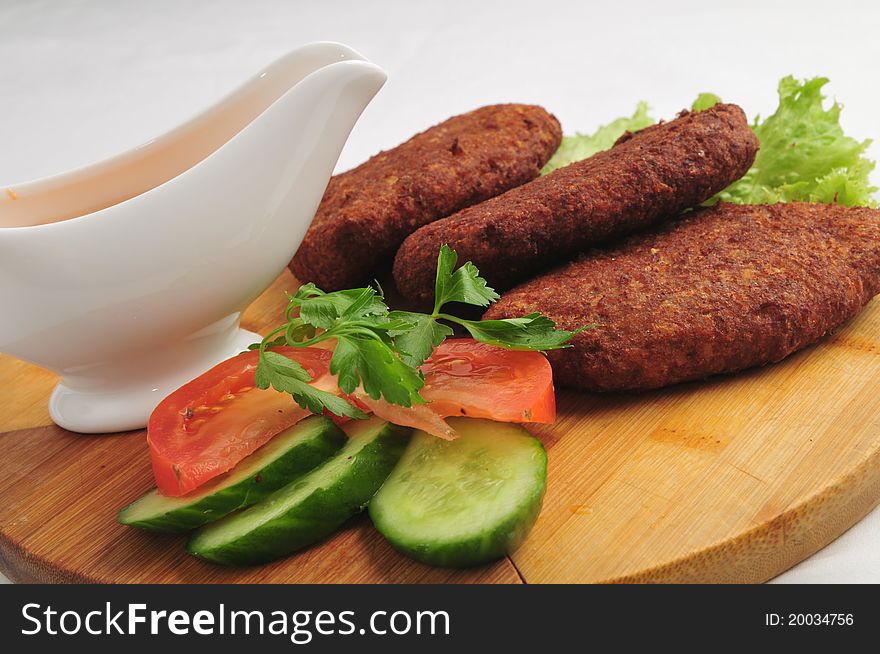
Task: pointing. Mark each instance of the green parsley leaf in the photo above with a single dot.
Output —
(321, 309)
(425, 333)
(283, 366)
(297, 330)
(381, 350)
(446, 261)
(462, 285)
(287, 376)
(316, 400)
(262, 375)
(372, 363)
(531, 332)
(334, 404)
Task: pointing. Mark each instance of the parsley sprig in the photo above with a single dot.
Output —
(381, 349)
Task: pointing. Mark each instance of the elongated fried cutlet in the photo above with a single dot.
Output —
(367, 212)
(717, 291)
(652, 174)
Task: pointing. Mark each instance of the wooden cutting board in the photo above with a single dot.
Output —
(731, 480)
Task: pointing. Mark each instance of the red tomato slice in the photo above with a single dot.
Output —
(466, 378)
(207, 426)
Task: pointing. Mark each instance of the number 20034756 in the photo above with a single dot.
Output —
(808, 619)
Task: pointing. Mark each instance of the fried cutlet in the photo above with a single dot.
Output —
(716, 291)
(367, 212)
(652, 174)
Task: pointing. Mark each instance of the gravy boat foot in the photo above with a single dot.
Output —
(120, 395)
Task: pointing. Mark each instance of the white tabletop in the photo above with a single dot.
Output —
(84, 80)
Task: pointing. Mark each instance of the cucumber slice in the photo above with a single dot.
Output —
(463, 502)
(285, 458)
(311, 508)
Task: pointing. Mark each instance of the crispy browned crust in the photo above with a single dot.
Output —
(655, 173)
(368, 211)
(717, 291)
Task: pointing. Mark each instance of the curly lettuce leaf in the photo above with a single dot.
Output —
(704, 101)
(580, 146)
(804, 154)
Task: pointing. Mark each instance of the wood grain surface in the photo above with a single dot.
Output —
(730, 480)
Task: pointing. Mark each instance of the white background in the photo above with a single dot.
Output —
(80, 81)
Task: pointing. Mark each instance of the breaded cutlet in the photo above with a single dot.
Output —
(716, 291)
(367, 212)
(648, 176)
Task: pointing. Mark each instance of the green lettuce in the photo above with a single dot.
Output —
(804, 154)
(580, 146)
(704, 101)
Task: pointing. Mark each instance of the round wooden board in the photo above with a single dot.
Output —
(730, 480)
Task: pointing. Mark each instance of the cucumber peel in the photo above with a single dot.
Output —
(464, 502)
(311, 508)
(285, 458)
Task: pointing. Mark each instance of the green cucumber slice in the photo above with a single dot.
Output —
(463, 502)
(285, 458)
(311, 508)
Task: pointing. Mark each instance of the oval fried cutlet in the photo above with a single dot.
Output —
(717, 291)
(367, 212)
(652, 174)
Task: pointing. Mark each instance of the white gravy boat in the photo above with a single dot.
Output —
(128, 277)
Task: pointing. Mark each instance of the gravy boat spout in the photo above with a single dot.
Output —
(128, 277)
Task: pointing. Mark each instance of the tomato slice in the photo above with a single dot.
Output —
(207, 426)
(466, 378)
